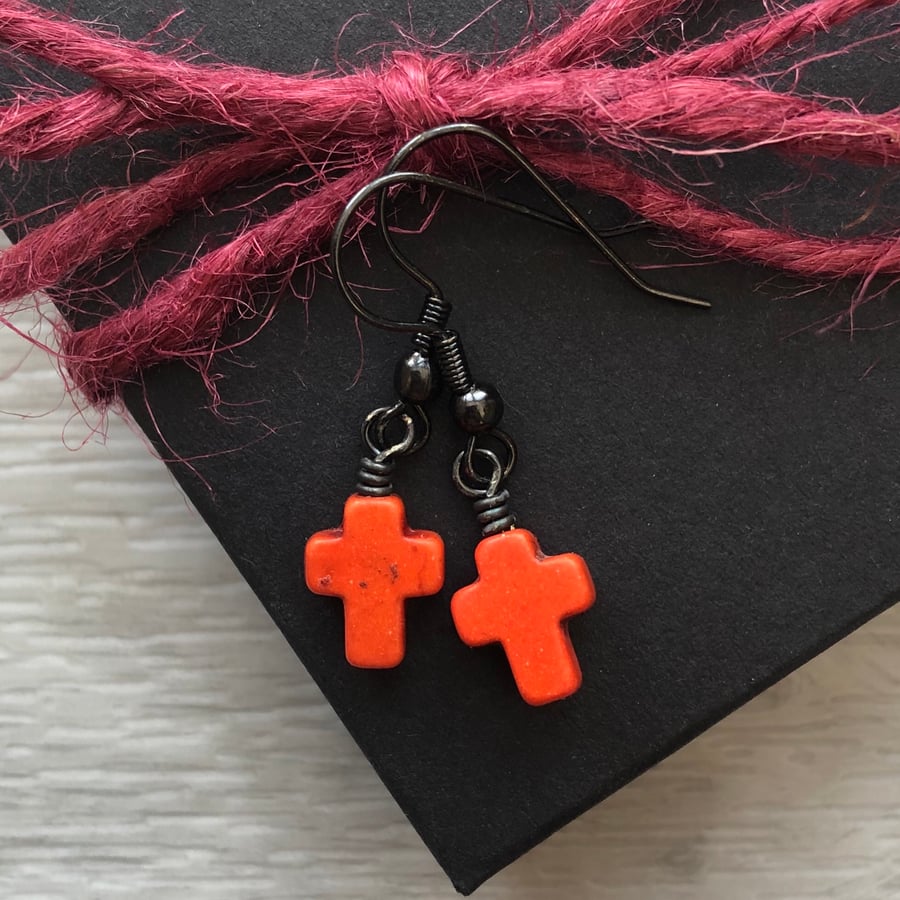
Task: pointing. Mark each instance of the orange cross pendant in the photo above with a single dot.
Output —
(373, 562)
(521, 599)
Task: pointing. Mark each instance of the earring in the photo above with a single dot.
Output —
(374, 561)
(522, 598)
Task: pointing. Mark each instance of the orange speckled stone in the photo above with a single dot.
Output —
(521, 600)
(373, 562)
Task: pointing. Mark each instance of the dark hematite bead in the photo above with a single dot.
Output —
(478, 409)
(414, 378)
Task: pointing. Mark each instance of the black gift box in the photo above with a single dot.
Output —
(731, 477)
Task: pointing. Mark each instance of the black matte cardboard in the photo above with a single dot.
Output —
(734, 489)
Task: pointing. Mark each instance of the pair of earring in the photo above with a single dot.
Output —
(374, 562)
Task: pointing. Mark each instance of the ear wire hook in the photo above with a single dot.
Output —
(504, 203)
(382, 182)
(574, 220)
(392, 178)
(465, 190)
(569, 224)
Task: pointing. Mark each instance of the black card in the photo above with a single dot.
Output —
(730, 476)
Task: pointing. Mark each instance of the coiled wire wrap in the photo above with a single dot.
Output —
(374, 478)
(491, 502)
(435, 314)
(452, 361)
(493, 513)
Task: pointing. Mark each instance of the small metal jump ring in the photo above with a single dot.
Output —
(512, 455)
(401, 447)
(378, 417)
(381, 418)
(493, 484)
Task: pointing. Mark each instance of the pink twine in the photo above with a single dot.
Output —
(559, 97)
(183, 317)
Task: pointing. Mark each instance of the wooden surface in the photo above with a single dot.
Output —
(159, 739)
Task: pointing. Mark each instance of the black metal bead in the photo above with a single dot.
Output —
(480, 408)
(414, 377)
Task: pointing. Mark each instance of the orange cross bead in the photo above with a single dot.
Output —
(521, 600)
(373, 562)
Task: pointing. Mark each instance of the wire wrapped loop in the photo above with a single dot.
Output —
(493, 513)
(491, 501)
(374, 477)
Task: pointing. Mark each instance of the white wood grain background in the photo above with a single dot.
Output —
(159, 739)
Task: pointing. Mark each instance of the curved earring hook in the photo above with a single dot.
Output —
(474, 193)
(574, 220)
(381, 183)
(389, 179)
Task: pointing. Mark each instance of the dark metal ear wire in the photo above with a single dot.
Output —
(337, 243)
(392, 178)
(425, 137)
(504, 203)
(577, 221)
(508, 205)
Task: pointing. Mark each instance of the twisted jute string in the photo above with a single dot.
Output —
(559, 96)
